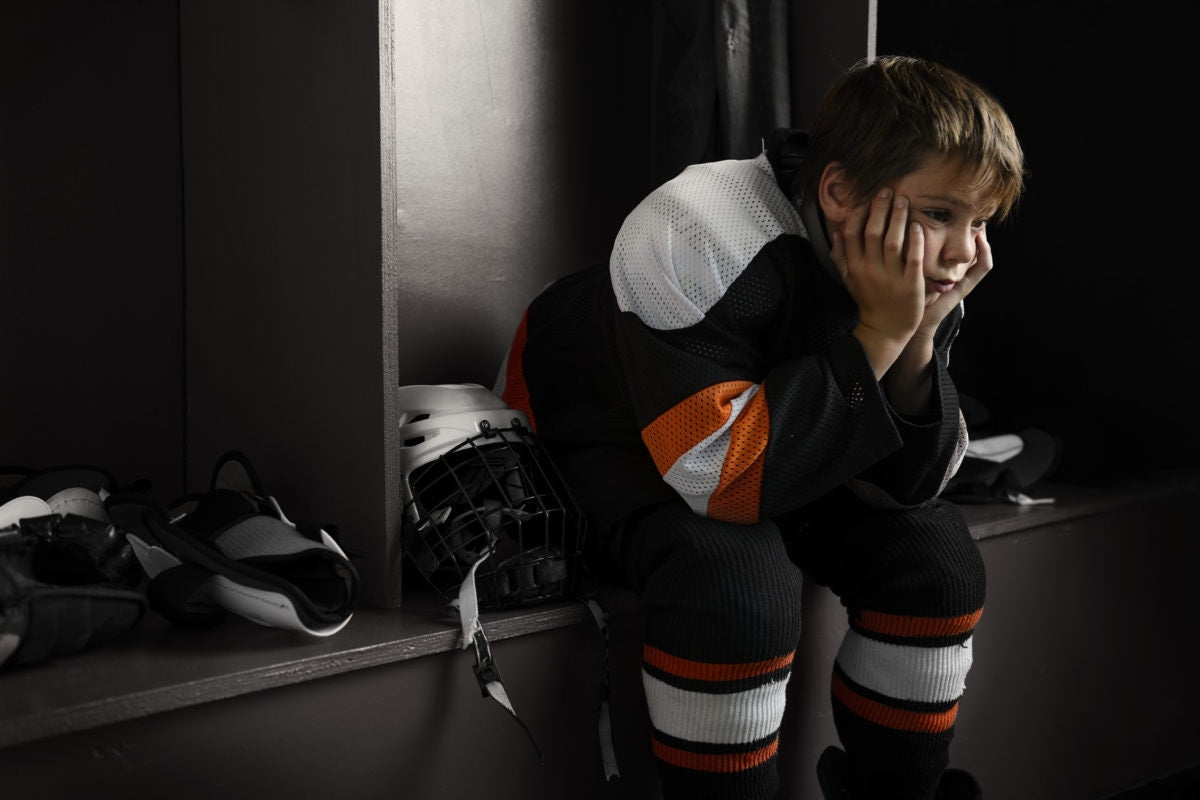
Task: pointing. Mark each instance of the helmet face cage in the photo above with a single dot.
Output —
(495, 499)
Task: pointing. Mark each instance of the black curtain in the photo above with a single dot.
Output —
(720, 80)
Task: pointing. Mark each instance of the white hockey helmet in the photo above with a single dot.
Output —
(479, 489)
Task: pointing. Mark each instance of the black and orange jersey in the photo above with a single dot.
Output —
(712, 358)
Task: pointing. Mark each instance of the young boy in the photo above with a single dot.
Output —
(756, 385)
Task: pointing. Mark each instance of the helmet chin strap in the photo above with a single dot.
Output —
(486, 670)
(476, 478)
(488, 673)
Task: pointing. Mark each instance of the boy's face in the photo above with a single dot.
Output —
(952, 208)
(948, 202)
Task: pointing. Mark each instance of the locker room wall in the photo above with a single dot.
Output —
(241, 226)
(91, 268)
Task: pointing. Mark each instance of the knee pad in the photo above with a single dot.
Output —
(927, 565)
(694, 571)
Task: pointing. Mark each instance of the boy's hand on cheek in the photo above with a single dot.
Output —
(941, 308)
(885, 279)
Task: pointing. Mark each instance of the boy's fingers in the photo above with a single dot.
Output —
(916, 251)
(893, 244)
(977, 271)
(852, 234)
(981, 267)
(877, 222)
(983, 253)
(969, 281)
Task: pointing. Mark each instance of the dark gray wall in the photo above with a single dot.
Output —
(287, 300)
(91, 270)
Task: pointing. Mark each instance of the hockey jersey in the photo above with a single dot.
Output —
(712, 359)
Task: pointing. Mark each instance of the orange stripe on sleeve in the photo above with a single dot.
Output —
(705, 671)
(738, 494)
(516, 391)
(677, 430)
(900, 625)
(894, 718)
(714, 762)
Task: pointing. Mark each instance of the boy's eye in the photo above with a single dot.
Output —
(979, 224)
(937, 214)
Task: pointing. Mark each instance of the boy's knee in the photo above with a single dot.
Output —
(735, 561)
(733, 581)
(934, 565)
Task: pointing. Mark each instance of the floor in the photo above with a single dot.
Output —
(1183, 785)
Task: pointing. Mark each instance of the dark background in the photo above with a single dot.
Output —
(1086, 327)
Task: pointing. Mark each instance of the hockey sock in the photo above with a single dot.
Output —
(716, 726)
(722, 609)
(902, 666)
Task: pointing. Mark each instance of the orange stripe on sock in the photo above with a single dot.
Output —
(705, 671)
(899, 625)
(895, 718)
(714, 762)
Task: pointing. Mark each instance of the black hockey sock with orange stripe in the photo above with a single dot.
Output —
(722, 609)
(716, 726)
(902, 666)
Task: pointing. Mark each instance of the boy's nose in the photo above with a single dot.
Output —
(958, 250)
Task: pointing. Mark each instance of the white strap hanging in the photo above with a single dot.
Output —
(487, 673)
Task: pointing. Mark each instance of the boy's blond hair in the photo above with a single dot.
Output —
(884, 116)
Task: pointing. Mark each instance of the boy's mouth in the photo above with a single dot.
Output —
(941, 287)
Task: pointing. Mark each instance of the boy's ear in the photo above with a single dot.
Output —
(834, 193)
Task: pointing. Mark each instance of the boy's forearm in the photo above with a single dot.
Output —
(909, 381)
(903, 369)
(882, 351)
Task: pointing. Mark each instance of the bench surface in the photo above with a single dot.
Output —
(159, 667)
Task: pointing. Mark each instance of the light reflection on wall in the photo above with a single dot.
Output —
(511, 136)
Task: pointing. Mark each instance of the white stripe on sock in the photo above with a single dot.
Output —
(715, 718)
(906, 672)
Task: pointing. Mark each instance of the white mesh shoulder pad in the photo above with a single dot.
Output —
(681, 248)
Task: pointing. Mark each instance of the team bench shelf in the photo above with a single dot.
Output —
(1085, 655)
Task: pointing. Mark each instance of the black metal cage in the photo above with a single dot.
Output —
(498, 501)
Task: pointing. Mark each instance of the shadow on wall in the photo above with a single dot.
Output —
(462, 347)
